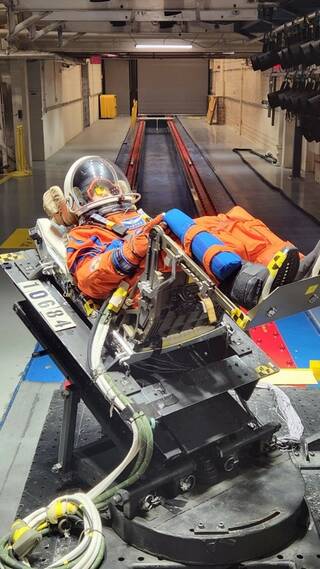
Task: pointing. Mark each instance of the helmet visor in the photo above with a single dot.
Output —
(97, 182)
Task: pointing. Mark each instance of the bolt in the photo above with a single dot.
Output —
(201, 525)
(220, 525)
(312, 453)
(272, 311)
(230, 463)
(149, 502)
(56, 468)
(117, 499)
(187, 483)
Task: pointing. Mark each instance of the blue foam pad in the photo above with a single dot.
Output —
(223, 264)
(179, 222)
(41, 368)
(302, 338)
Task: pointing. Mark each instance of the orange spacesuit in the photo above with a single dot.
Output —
(93, 267)
(108, 240)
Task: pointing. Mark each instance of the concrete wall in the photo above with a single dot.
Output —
(61, 105)
(95, 89)
(243, 91)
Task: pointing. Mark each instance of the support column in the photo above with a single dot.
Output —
(297, 150)
(20, 102)
(36, 105)
(67, 435)
(287, 144)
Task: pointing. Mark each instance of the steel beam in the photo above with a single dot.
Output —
(40, 33)
(231, 15)
(73, 38)
(27, 22)
(160, 16)
(67, 433)
(228, 15)
(90, 15)
(36, 5)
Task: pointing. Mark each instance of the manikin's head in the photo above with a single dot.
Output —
(95, 184)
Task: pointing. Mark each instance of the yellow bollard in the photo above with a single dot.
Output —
(315, 367)
(134, 112)
(21, 158)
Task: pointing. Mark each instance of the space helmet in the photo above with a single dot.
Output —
(94, 183)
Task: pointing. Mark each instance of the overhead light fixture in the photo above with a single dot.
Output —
(163, 46)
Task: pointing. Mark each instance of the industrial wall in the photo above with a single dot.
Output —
(95, 89)
(56, 95)
(173, 86)
(243, 91)
(61, 105)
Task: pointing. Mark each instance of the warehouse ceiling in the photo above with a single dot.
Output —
(227, 28)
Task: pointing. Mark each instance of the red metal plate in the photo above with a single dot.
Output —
(269, 339)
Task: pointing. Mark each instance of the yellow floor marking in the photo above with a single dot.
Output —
(19, 239)
(299, 376)
(315, 367)
(16, 174)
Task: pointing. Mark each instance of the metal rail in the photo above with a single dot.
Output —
(201, 198)
(133, 164)
(200, 195)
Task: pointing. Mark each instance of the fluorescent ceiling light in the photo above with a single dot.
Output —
(163, 46)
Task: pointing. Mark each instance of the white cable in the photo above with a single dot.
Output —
(106, 482)
(93, 540)
(86, 552)
(98, 342)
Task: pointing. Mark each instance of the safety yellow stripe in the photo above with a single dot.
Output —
(276, 263)
(240, 318)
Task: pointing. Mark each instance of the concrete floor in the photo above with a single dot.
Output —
(217, 142)
(18, 441)
(103, 138)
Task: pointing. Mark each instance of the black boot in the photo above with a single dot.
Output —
(254, 282)
(310, 264)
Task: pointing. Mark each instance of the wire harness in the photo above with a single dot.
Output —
(82, 510)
